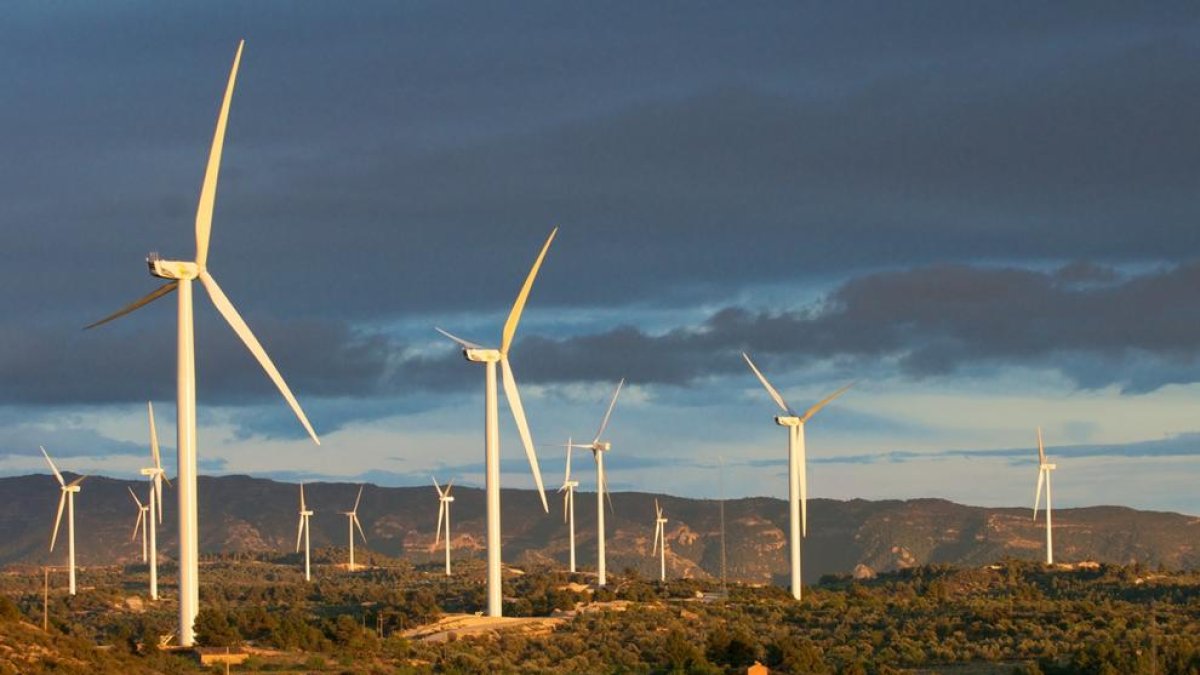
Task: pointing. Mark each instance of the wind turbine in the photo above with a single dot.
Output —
(797, 471)
(444, 500)
(1044, 469)
(66, 496)
(491, 430)
(140, 524)
(352, 522)
(660, 541)
(155, 474)
(180, 275)
(598, 449)
(303, 530)
(568, 490)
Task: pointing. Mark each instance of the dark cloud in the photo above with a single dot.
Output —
(1180, 445)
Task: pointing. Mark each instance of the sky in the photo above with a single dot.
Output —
(986, 216)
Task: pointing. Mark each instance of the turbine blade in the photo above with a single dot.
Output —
(437, 487)
(567, 477)
(158, 479)
(302, 497)
(824, 402)
(137, 524)
(154, 453)
(611, 404)
(608, 496)
(208, 191)
(514, 316)
(657, 531)
(243, 331)
(770, 390)
(1041, 448)
(1037, 499)
(52, 467)
(465, 344)
(149, 298)
(441, 512)
(62, 500)
(448, 485)
(359, 526)
(135, 499)
(77, 481)
(299, 533)
(357, 500)
(518, 411)
(566, 503)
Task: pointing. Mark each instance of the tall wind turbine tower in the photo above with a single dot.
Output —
(797, 471)
(491, 430)
(598, 448)
(141, 522)
(180, 275)
(660, 541)
(352, 522)
(1044, 469)
(305, 513)
(66, 496)
(444, 500)
(155, 474)
(568, 490)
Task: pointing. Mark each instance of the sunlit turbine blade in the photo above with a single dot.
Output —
(62, 501)
(1037, 499)
(52, 467)
(657, 509)
(441, 512)
(514, 316)
(135, 498)
(566, 502)
(657, 530)
(608, 413)
(518, 411)
(359, 526)
(299, 533)
(437, 487)
(77, 481)
(567, 477)
(208, 192)
(824, 402)
(770, 390)
(149, 298)
(243, 331)
(1041, 448)
(465, 344)
(357, 500)
(302, 497)
(608, 496)
(137, 524)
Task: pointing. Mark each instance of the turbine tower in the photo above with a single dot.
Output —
(444, 500)
(155, 474)
(1044, 469)
(568, 490)
(598, 449)
(660, 541)
(140, 524)
(491, 434)
(303, 530)
(67, 496)
(180, 275)
(352, 522)
(797, 471)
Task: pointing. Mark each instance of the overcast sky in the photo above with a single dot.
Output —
(986, 216)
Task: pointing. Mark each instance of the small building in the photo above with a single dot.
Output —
(211, 656)
(757, 669)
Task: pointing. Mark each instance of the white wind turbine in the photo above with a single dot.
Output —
(797, 471)
(67, 496)
(155, 474)
(491, 433)
(444, 500)
(568, 490)
(660, 541)
(1044, 469)
(181, 274)
(305, 513)
(140, 524)
(598, 449)
(352, 522)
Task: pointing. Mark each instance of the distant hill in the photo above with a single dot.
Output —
(243, 514)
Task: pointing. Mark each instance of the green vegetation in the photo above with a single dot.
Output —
(1016, 617)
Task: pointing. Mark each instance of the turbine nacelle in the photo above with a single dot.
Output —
(307, 513)
(482, 355)
(172, 269)
(1049, 467)
(446, 499)
(70, 488)
(788, 421)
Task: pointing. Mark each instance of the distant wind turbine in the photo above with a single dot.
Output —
(66, 496)
(568, 490)
(352, 522)
(1044, 469)
(598, 449)
(156, 475)
(444, 500)
(141, 522)
(181, 274)
(660, 541)
(491, 434)
(797, 471)
(305, 513)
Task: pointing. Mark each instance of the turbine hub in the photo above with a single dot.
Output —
(571, 484)
(1049, 467)
(447, 499)
(151, 471)
(172, 269)
(71, 488)
(602, 446)
(787, 420)
(482, 355)
(307, 513)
